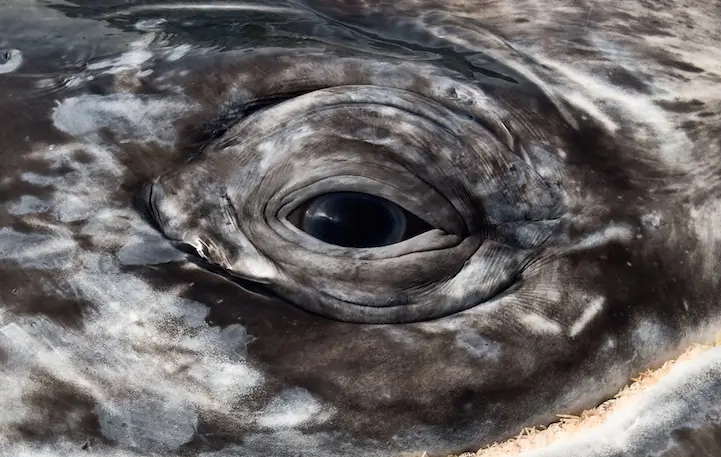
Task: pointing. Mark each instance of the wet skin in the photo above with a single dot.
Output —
(160, 293)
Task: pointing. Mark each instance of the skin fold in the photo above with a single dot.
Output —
(158, 297)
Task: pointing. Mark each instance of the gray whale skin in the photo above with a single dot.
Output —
(158, 296)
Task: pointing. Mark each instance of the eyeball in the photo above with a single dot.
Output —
(357, 220)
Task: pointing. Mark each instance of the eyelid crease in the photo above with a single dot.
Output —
(237, 111)
(229, 211)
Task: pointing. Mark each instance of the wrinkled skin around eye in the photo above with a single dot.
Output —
(418, 169)
(165, 288)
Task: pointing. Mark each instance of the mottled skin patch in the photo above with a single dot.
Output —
(606, 112)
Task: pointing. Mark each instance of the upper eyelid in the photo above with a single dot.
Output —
(235, 112)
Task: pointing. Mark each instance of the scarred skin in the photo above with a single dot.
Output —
(155, 298)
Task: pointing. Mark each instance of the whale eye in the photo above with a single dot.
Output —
(356, 220)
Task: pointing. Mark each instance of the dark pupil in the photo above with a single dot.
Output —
(354, 220)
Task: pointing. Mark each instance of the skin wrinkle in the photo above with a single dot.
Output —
(266, 179)
(603, 116)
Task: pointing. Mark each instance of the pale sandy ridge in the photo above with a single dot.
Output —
(568, 426)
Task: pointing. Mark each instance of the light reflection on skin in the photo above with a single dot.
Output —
(541, 193)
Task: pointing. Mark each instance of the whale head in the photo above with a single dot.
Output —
(347, 228)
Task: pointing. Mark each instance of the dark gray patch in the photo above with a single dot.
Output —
(683, 106)
(59, 408)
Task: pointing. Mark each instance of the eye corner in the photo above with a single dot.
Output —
(144, 202)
